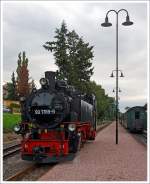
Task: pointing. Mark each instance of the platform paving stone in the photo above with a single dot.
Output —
(103, 160)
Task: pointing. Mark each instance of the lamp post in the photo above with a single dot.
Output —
(121, 73)
(108, 24)
(119, 90)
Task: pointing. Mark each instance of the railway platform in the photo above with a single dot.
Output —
(103, 160)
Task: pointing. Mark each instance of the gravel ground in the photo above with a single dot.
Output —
(37, 173)
(103, 160)
(11, 136)
(12, 165)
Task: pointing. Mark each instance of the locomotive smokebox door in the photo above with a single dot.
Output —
(51, 78)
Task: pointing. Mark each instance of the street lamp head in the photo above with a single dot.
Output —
(127, 22)
(121, 75)
(112, 75)
(106, 23)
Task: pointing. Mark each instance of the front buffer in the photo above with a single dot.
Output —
(51, 146)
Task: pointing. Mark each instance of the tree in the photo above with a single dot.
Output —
(32, 85)
(72, 56)
(10, 87)
(80, 56)
(59, 48)
(22, 75)
(10, 92)
(13, 80)
(105, 104)
(72, 41)
(14, 95)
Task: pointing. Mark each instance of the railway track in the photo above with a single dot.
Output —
(22, 173)
(31, 173)
(144, 135)
(142, 138)
(11, 150)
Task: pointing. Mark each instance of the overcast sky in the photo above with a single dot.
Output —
(28, 25)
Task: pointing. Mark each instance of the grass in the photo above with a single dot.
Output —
(9, 120)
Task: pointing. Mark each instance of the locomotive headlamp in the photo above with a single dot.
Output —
(22, 99)
(17, 129)
(43, 81)
(72, 127)
(58, 106)
(62, 126)
(34, 90)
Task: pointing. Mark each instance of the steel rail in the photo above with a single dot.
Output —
(22, 173)
(13, 149)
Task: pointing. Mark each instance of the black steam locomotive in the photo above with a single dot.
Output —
(56, 120)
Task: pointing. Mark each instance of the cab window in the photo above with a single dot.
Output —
(137, 115)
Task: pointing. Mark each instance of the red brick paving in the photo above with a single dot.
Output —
(103, 160)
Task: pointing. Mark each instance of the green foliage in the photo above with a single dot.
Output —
(59, 48)
(14, 90)
(13, 80)
(9, 121)
(105, 104)
(72, 56)
(10, 90)
(32, 85)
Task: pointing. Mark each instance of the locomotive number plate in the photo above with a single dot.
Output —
(44, 111)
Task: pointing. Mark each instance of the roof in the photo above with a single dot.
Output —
(145, 106)
(135, 107)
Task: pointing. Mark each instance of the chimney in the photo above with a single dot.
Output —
(51, 78)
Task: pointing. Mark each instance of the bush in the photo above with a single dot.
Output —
(15, 108)
(14, 105)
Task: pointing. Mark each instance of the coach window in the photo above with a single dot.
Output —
(137, 115)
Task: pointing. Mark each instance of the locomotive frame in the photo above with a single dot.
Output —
(53, 146)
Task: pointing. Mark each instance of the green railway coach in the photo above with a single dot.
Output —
(135, 119)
